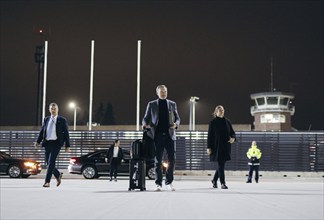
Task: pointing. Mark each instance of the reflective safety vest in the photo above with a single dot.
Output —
(254, 155)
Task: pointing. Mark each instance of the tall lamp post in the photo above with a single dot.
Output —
(73, 105)
(39, 59)
(192, 119)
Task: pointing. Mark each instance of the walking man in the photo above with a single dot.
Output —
(53, 134)
(162, 119)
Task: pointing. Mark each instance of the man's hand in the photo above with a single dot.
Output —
(174, 126)
(209, 151)
(146, 126)
(67, 150)
(231, 140)
(36, 145)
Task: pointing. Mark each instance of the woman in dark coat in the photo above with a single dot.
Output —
(114, 156)
(220, 137)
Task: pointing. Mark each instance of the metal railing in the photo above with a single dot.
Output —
(281, 151)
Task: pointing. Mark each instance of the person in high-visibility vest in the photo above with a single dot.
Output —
(254, 155)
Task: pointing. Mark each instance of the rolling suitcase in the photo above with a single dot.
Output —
(143, 148)
(137, 172)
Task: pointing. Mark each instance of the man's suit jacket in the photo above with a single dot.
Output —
(62, 131)
(151, 117)
(110, 154)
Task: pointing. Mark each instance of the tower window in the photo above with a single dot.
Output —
(272, 100)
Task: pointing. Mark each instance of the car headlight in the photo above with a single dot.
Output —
(29, 164)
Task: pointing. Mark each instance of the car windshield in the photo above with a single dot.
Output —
(5, 155)
(103, 153)
(91, 154)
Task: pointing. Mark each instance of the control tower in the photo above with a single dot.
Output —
(272, 111)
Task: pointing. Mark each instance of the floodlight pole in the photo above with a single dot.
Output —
(45, 78)
(192, 120)
(138, 84)
(91, 84)
(39, 59)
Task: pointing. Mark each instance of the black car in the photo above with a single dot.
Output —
(93, 165)
(16, 168)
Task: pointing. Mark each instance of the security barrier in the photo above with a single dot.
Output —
(281, 151)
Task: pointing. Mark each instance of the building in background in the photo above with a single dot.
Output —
(272, 111)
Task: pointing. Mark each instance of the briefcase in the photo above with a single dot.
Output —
(148, 146)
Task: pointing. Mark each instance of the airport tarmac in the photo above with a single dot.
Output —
(194, 198)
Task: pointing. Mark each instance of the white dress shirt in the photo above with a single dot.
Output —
(51, 133)
(116, 149)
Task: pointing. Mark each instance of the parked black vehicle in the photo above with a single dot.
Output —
(16, 168)
(93, 165)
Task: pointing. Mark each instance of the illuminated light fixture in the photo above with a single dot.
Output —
(73, 106)
(192, 120)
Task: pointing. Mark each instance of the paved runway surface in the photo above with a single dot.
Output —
(194, 198)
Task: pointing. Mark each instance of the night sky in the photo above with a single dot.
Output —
(219, 51)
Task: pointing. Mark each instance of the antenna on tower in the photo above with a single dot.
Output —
(271, 73)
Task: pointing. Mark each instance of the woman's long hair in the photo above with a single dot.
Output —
(216, 110)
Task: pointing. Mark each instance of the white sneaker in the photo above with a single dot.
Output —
(170, 187)
(158, 188)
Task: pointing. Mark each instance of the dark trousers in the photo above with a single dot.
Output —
(52, 149)
(163, 141)
(256, 169)
(114, 167)
(220, 172)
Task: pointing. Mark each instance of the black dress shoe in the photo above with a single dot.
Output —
(224, 186)
(46, 185)
(249, 181)
(214, 183)
(59, 179)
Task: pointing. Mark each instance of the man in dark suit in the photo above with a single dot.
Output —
(114, 157)
(162, 118)
(53, 135)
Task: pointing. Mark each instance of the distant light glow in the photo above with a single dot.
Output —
(72, 105)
